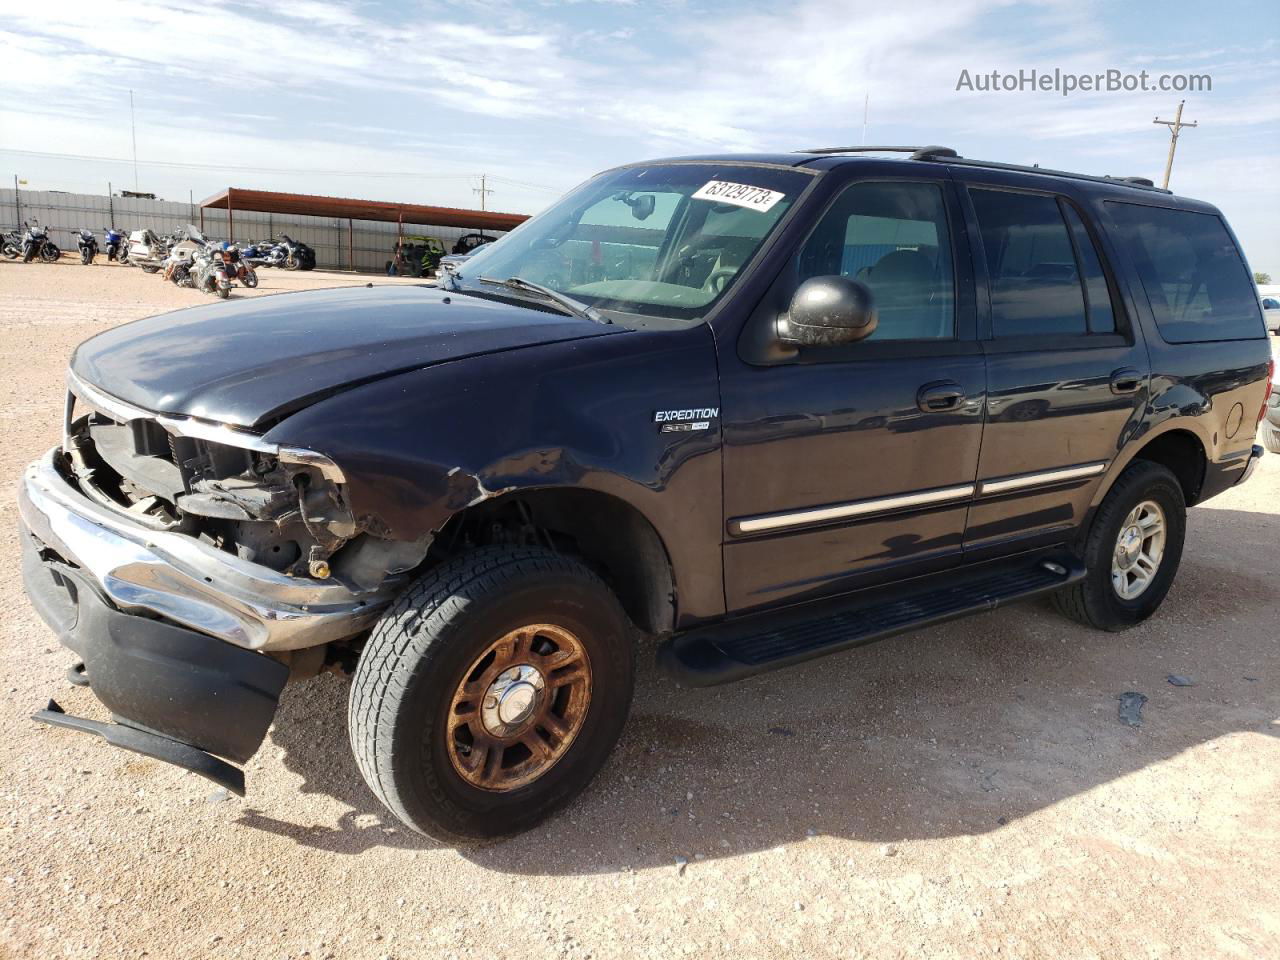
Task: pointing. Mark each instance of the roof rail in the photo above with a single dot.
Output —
(917, 153)
(947, 155)
(1140, 183)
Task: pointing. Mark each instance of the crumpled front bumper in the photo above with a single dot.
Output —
(171, 630)
(183, 579)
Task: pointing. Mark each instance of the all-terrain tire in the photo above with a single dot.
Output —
(1094, 601)
(427, 642)
(1269, 435)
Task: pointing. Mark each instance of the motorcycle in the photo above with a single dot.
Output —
(213, 269)
(244, 272)
(88, 245)
(36, 242)
(290, 254)
(114, 242)
(147, 251)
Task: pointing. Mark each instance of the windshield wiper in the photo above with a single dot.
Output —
(575, 307)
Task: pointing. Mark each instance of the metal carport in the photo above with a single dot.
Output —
(301, 204)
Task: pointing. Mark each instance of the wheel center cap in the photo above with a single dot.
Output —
(516, 703)
(511, 699)
(1130, 544)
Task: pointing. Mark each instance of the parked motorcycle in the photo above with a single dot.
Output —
(114, 243)
(256, 253)
(147, 251)
(36, 242)
(290, 254)
(213, 269)
(245, 275)
(88, 245)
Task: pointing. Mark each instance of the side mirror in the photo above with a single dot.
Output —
(827, 312)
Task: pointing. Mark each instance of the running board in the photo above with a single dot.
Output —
(149, 744)
(736, 649)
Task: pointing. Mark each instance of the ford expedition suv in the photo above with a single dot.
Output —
(761, 408)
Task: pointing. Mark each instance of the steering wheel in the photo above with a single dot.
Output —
(719, 279)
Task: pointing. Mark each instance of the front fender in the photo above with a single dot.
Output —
(421, 446)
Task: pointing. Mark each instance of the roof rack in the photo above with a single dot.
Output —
(947, 155)
(917, 153)
(1140, 183)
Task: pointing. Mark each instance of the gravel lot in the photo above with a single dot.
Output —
(967, 791)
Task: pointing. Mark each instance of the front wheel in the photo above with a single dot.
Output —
(250, 279)
(291, 263)
(491, 692)
(1132, 550)
(49, 253)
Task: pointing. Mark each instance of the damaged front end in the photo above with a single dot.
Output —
(188, 564)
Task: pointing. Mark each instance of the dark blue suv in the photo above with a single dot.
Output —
(762, 408)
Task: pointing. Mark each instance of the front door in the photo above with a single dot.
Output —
(856, 464)
(1067, 374)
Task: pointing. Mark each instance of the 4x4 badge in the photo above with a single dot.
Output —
(686, 421)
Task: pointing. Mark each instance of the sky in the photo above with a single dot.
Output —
(414, 100)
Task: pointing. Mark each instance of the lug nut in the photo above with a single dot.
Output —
(319, 569)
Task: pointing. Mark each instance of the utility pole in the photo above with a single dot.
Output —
(483, 190)
(1175, 127)
(866, 106)
(17, 202)
(133, 126)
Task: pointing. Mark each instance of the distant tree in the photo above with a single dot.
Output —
(1259, 277)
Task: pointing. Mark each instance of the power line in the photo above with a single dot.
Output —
(390, 174)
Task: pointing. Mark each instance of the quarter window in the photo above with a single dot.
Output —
(893, 238)
(1193, 275)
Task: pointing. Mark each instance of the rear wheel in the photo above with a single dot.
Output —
(1132, 550)
(1270, 436)
(492, 692)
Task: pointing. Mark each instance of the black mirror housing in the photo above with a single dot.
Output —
(828, 311)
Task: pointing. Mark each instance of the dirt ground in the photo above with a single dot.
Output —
(966, 791)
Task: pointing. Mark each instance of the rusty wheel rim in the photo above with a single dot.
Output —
(519, 707)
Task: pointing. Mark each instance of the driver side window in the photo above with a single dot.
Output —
(893, 238)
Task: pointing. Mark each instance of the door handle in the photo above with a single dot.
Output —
(1125, 380)
(939, 397)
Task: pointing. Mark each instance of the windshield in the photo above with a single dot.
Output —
(663, 240)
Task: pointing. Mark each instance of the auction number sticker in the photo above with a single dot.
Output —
(739, 194)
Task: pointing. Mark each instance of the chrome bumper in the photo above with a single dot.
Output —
(185, 580)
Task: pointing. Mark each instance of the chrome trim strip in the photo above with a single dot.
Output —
(198, 429)
(844, 511)
(186, 580)
(1042, 478)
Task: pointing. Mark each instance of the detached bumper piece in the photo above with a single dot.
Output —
(174, 694)
(755, 644)
(151, 745)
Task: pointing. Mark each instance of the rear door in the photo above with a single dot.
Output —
(1067, 372)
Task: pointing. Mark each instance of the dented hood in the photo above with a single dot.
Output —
(248, 362)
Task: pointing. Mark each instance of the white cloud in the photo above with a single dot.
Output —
(550, 91)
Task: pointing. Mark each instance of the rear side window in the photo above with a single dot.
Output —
(1193, 275)
(1031, 264)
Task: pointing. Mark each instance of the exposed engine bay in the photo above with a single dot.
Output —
(283, 509)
